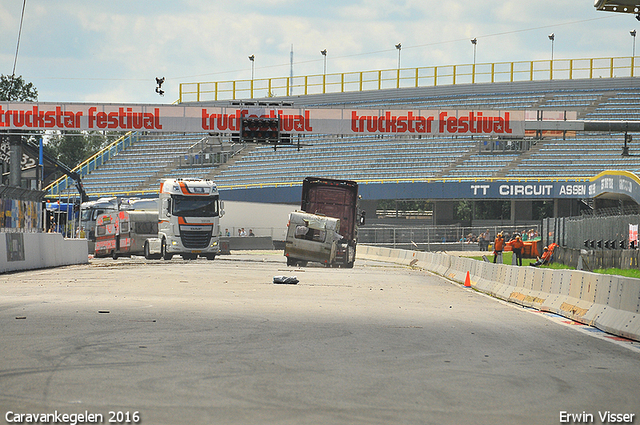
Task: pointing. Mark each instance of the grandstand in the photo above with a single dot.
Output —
(389, 159)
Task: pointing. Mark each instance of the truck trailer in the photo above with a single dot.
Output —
(90, 210)
(124, 233)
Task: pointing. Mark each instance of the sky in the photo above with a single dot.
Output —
(112, 51)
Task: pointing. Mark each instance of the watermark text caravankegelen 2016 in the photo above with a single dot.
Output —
(86, 417)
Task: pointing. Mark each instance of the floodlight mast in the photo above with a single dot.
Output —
(620, 6)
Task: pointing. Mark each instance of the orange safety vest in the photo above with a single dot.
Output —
(498, 244)
(516, 244)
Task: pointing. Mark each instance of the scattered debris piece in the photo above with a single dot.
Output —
(21, 317)
(104, 311)
(287, 280)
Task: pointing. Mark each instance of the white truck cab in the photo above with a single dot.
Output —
(189, 212)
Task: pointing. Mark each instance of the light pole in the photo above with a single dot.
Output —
(252, 59)
(633, 54)
(552, 37)
(474, 41)
(324, 54)
(399, 47)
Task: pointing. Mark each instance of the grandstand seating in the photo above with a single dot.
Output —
(150, 157)
(376, 158)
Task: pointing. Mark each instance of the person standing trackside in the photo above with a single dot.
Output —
(484, 241)
(498, 246)
(516, 246)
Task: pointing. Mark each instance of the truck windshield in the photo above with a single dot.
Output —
(190, 206)
(85, 215)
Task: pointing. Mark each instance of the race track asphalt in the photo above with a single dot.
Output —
(217, 342)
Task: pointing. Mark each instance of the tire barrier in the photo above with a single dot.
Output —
(610, 303)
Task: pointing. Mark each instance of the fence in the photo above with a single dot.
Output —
(540, 70)
(602, 242)
(572, 232)
(432, 238)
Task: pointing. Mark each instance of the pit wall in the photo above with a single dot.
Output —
(27, 251)
(610, 303)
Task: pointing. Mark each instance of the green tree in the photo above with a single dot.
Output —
(542, 210)
(463, 210)
(73, 147)
(14, 88)
(492, 210)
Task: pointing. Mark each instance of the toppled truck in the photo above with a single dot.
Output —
(311, 237)
(331, 208)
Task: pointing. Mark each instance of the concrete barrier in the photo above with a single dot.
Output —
(26, 251)
(610, 303)
(248, 242)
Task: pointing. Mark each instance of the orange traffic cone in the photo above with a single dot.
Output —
(467, 281)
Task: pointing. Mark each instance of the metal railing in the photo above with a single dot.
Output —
(572, 232)
(539, 70)
(434, 238)
(63, 183)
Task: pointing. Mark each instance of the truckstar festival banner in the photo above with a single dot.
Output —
(177, 118)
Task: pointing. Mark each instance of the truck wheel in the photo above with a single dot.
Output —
(163, 250)
(303, 263)
(349, 265)
(114, 255)
(148, 254)
(291, 261)
(211, 257)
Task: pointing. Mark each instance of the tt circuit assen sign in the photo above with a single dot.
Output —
(177, 118)
(480, 190)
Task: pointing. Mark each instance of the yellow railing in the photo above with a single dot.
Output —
(90, 164)
(541, 70)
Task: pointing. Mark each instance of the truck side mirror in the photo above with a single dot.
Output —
(168, 209)
(362, 218)
(221, 209)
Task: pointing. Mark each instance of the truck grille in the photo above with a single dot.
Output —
(195, 239)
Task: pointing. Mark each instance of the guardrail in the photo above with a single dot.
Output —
(539, 70)
(610, 303)
(65, 182)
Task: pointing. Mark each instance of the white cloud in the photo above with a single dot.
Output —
(112, 51)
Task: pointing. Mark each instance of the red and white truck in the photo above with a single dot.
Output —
(124, 233)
